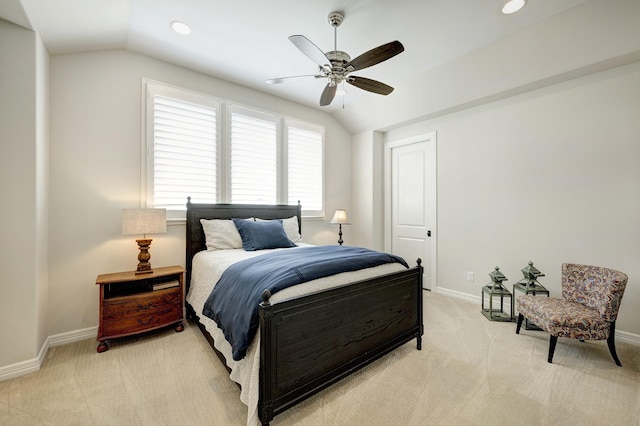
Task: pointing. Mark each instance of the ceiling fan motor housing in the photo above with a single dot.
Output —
(338, 60)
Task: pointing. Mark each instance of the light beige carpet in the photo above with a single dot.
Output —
(471, 371)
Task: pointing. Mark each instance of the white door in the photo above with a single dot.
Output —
(410, 202)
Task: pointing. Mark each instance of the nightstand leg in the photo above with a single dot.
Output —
(179, 327)
(103, 346)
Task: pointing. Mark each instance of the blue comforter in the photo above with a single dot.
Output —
(233, 303)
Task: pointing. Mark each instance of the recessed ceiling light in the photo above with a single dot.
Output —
(513, 6)
(180, 27)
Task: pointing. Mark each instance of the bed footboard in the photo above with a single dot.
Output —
(308, 343)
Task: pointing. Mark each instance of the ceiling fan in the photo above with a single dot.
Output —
(336, 65)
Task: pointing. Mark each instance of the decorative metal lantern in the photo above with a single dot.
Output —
(528, 285)
(531, 275)
(496, 289)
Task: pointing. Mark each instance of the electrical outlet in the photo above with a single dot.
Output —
(470, 277)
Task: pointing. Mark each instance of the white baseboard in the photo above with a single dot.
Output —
(32, 365)
(621, 336)
(20, 369)
(73, 336)
(458, 295)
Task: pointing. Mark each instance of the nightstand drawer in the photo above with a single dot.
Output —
(122, 307)
(143, 320)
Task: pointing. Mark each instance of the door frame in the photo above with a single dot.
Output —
(388, 146)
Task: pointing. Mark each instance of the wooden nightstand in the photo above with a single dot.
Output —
(132, 304)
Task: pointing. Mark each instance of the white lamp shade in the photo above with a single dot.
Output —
(340, 216)
(144, 221)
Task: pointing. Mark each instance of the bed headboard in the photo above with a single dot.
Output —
(195, 240)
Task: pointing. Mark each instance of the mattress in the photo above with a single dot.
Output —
(207, 268)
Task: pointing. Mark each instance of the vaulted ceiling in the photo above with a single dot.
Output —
(246, 41)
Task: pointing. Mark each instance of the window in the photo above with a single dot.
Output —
(184, 152)
(254, 165)
(304, 180)
(260, 158)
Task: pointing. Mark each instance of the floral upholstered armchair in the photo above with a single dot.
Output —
(588, 309)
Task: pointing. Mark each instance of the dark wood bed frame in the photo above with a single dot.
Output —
(310, 342)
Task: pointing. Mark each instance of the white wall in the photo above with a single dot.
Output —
(23, 193)
(550, 176)
(368, 192)
(96, 171)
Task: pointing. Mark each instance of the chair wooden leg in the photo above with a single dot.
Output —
(520, 318)
(611, 342)
(552, 347)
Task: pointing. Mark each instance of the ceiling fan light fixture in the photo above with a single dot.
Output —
(180, 27)
(513, 6)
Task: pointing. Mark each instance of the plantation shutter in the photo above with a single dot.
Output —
(254, 177)
(184, 152)
(214, 152)
(304, 158)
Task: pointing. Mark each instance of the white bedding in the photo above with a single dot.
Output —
(207, 269)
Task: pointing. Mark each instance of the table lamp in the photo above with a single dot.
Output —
(144, 221)
(340, 217)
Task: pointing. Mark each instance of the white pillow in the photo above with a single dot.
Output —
(221, 234)
(290, 226)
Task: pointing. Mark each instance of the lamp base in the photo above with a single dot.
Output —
(144, 266)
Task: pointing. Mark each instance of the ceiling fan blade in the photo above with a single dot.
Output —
(311, 50)
(280, 80)
(375, 56)
(370, 85)
(328, 94)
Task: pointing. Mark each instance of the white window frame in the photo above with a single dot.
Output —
(151, 89)
(223, 146)
(292, 122)
(260, 115)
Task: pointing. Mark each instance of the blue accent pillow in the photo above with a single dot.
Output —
(262, 235)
